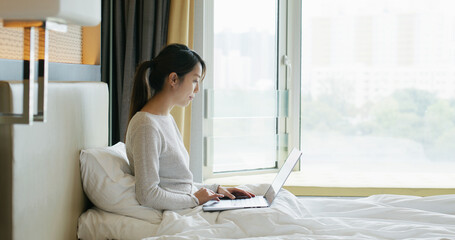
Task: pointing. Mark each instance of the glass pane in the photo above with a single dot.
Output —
(246, 103)
(245, 44)
(242, 102)
(231, 127)
(242, 152)
(378, 86)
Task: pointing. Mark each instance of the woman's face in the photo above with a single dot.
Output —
(189, 86)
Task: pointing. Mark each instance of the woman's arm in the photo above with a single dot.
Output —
(213, 187)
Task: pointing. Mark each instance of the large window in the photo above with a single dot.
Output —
(378, 92)
(365, 88)
(245, 99)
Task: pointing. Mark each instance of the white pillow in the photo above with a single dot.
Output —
(98, 224)
(108, 183)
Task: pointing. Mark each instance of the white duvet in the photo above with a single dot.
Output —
(289, 217)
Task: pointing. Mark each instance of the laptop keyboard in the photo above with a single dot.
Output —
(247, 201)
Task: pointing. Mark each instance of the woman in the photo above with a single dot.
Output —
(154, 145)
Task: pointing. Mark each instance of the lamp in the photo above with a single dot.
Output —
(42, 16)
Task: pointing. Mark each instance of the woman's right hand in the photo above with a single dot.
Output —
(204, 195)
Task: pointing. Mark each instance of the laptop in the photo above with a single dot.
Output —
(258, 201)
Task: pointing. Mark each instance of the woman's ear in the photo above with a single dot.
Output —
(173, 79)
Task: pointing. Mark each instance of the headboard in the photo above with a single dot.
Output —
(40, 185)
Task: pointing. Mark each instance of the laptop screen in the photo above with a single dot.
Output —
(282, 175)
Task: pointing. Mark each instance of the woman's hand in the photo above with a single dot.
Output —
(233, 193)
(204, 195)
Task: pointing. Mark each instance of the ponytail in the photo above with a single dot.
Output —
(141, 89)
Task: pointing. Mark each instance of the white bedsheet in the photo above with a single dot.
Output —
(375, 217)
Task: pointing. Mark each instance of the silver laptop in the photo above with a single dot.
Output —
(258, 201)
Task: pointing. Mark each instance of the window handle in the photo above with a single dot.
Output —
(286, 61)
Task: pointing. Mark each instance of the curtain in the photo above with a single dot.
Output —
(133, 31)
(181, 31)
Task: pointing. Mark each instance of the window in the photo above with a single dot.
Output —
(378, 92)
(242, 102)
(365, 88)
(245, 92)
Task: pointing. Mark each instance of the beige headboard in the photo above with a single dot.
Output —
(41, 195)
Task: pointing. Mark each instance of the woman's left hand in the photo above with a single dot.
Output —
(233, 193)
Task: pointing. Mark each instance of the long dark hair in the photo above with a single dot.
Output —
(150, 75)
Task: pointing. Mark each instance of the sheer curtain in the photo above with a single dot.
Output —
(133, 31)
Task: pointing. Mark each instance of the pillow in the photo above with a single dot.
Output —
(108, 183)
(98, 224)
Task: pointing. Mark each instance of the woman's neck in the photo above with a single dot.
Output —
(159, 104)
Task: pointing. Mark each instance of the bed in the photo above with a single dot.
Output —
(116, 214)
(375, 217)
(61, 180)
(378, 217)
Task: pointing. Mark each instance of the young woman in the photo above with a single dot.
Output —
(154, 145)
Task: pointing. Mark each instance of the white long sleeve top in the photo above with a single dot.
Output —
(160, 163)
